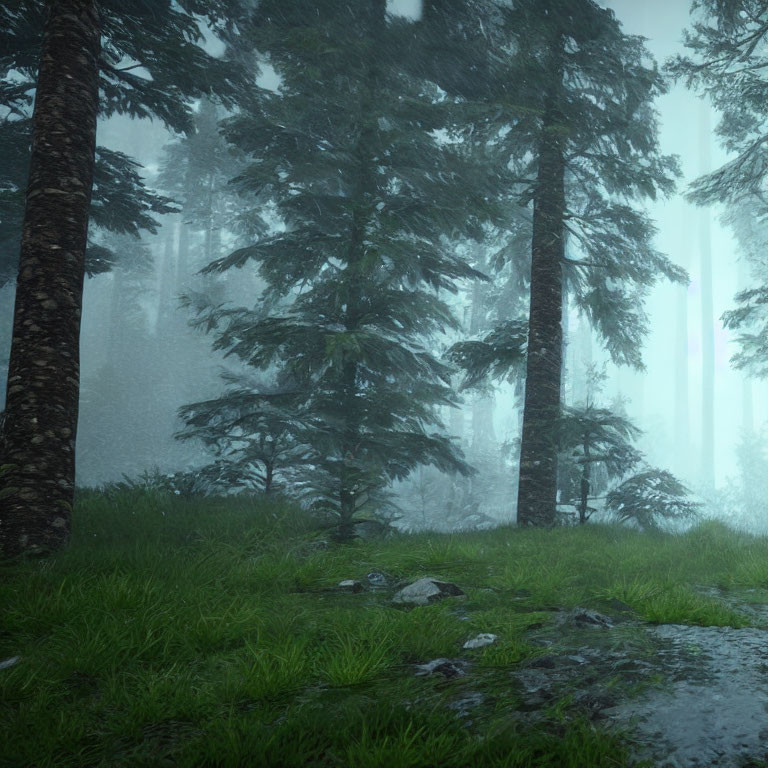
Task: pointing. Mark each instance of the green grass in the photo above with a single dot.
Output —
(206, 633)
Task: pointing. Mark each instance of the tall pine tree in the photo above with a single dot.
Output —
(367, 198)
(40, 422)
(38, 438)
(588, 125)
(570, 97)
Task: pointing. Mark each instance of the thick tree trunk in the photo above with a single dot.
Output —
(537, 490)
(44, 370)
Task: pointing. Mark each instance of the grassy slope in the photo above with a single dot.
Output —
(204, 633)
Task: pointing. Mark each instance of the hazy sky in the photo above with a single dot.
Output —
(681, 113)
(661, 21)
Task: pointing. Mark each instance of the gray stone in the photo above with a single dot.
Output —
(351, 585)
(10, 662)
(583, 617)
(426, 591)
(447, 667)
(378, 579)
(481, 640)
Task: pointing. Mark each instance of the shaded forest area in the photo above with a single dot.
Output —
(346, 343)
(367, 219)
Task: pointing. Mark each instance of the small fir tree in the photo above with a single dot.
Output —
(596, 439)
(650, 499)
(255, 433)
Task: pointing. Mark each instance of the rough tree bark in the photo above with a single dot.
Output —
(40, 427)
(537, 489)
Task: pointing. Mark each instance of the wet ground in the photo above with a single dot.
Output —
(694, 697)
(713, 709)
(690, 696)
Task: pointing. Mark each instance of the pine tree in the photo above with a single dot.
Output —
(569, 97)
(366, 198)
(596, 439)
(591, 131)
(40, 422)
(41, 402)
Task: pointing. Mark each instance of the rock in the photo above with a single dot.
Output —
(10, 662)
(465, 703)
(378, 579)
(426, 591)
(351, 585)
(481, 640)
(583, 617)
(449, 668)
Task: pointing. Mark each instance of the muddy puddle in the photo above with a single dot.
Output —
(713, 708)
(693, 697)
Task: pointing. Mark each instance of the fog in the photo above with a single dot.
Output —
(133, 385)
(686, 122)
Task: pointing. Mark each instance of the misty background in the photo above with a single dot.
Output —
(141, 361)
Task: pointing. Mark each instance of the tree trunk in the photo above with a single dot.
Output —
(747, 395)
(537, 490)
(44, 369)
(682, 413)
(167, 280)
(707, 319)
(586, 472)
(350, 475)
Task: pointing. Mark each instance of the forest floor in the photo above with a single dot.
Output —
(212, 632)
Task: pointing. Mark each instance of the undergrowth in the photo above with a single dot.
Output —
(208, 632)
